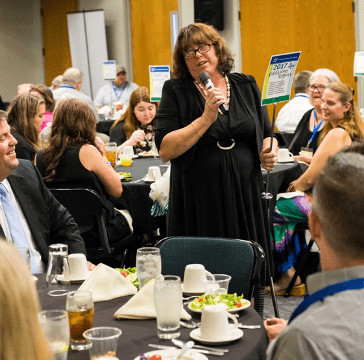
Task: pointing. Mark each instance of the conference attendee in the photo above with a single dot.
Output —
(136, 127)
(117, 92)
(29, 214)
(71, 84)
(24, 88)
(328, 323)
(216, 180)
(305, 139)
(344, 125)
(75, 159)
(22, 337)
(291, 113)
(56, 82)
(44, 92)
(25, 117)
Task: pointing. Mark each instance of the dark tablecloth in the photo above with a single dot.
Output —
(137, 334)
(135, 196)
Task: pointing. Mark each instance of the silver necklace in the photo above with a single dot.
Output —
(202, 89)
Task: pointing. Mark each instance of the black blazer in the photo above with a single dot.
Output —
(48, 220)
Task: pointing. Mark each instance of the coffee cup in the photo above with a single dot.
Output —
(78, 266)
(194, 278)
(154, 173)
(284, 155)
(215, 323)
(128, 151)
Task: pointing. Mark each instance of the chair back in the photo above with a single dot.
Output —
(241, 259)
(86, 208)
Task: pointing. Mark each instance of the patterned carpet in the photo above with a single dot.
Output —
(286, 306)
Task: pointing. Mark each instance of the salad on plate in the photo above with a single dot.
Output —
(232, 302)
(131, 275)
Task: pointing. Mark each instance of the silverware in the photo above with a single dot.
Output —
(180, 344)
(187, 325)
(190, 297)
(202, 351)
(189, 345)
(241, 326)
(139, 180)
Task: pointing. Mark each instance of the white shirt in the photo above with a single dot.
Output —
(108, 93)
(4, 224)
(291, 113)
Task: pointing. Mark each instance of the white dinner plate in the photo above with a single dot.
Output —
(235, 335)
(147, 155)
(244, 306)
(168, 354)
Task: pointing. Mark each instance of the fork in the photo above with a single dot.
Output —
(187, 325)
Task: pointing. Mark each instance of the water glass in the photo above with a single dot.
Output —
(55, 326)
(168, 305)
(81, 311)
(58, 271)
(217, 284)
(103, 341)
(148, 264)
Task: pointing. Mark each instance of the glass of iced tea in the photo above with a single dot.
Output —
(81, 311)
(111, 152)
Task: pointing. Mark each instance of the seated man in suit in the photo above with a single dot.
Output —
(29, 214)
(328, 323)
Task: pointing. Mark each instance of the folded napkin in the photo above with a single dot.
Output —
(106, 283)
(141, 305)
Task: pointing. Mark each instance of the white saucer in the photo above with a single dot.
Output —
(285, 161)
(235, 335)
(148, 180)
(168, 354)
(75, 281)
(192, 293)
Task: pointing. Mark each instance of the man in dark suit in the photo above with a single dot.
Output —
(43, 219)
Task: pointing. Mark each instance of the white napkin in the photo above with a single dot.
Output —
(106, 283)
(141, 305)
(290, 195)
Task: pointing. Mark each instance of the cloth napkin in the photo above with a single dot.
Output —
(141, 305)
(106, 283)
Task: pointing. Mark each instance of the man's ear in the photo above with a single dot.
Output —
(315, 227)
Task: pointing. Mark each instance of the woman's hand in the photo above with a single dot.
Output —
(100, 144)
(268, 159)
(136, 136)
(292, 187)
(214, 99)
(274, 326)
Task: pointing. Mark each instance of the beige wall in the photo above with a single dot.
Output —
(21, 56)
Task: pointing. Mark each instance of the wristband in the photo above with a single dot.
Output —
(108, 163)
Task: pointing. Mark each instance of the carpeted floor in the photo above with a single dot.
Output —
(286, 306)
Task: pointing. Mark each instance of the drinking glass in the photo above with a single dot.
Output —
(217, 284)
(55, 326)
(111, 152)
(148, 264)
(58, 271)
(25, 254)
(81, 311)
(168, 305)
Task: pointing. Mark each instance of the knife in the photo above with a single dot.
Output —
(165, 347)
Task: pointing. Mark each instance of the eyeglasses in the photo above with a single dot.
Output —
(202, 49)
(319, 88)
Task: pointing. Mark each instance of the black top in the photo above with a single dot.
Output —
(72, 174)
(117, 135)
(304, 134)
(23, 149)
(214, 192)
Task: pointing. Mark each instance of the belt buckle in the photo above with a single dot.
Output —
(226, 147)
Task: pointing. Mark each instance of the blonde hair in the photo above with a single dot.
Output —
(22, 337)
(352, 122)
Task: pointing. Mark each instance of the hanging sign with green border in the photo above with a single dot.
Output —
(359, 63)
(157, 76)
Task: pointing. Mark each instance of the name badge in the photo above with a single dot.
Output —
(306, 151)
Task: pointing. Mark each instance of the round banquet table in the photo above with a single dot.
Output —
(137, 334)
(135, 196)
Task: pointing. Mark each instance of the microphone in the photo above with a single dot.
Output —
(206, 80)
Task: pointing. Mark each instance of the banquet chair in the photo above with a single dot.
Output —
(86, 208)
(243, 260)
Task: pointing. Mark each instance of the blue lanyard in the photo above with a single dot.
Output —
(330, 290)
(116, 94)
(315, 128)
(67, 87)
(301, 95)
